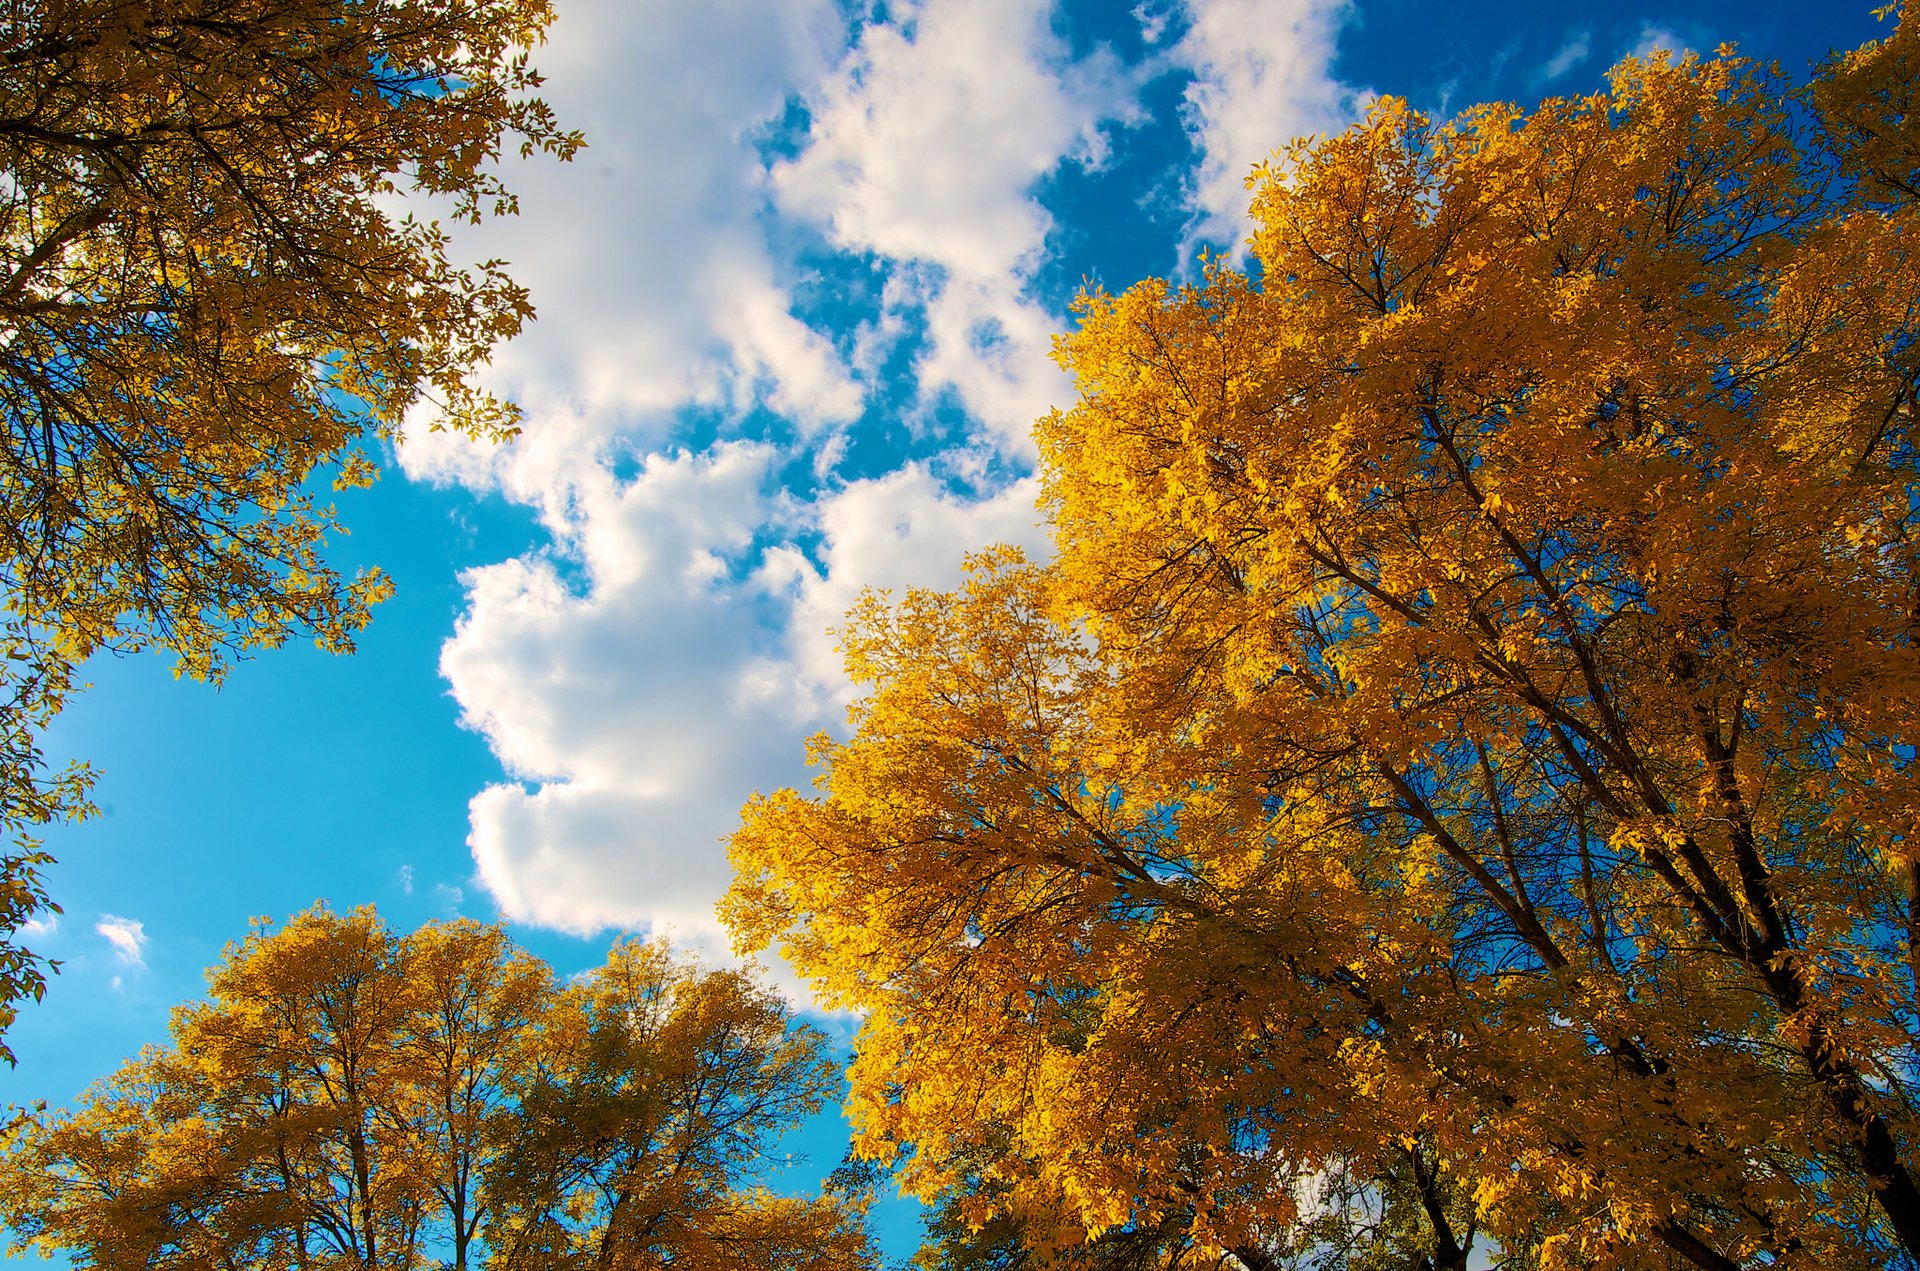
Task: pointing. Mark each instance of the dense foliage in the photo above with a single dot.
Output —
(351, 1097)
(208, 296)
(1453, 794)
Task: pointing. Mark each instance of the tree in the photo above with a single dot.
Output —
(347, 1096)
(1464, 746)
(208, 296)
(656, 1092)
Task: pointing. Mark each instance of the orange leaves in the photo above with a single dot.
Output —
(999, 848)
(647, 1097)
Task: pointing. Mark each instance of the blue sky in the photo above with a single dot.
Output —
(795, 307)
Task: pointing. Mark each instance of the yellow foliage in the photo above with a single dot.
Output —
(1465, 743)
(347, 1096)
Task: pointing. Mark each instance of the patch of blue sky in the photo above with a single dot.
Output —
(885, 339)
(305, 776)
(1116, 222)
(1444, 58)
(965, 465)
(832, 290)
(783, 136)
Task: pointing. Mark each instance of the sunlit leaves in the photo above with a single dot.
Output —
(1462, 753)
(347, 1096)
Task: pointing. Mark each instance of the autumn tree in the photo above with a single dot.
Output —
(1464, 746)
(650, 1104)
(348, 1096)
(209, 294)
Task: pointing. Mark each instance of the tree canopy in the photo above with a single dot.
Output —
(209, 294)
(348, 1096)
(1452, 793)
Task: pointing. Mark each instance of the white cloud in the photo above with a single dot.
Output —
(992, 347)
(611, 692)
(1153, 19)
(1263, 77)
(404, 877)
(128, 936)
(927, 140)
(547, 670)
(666, 654)
(803, 375)
(586, 858)
(926, 146)
(1576, 50)
(1654, 40)
(646, 256)
(637, 706)
(40, 928)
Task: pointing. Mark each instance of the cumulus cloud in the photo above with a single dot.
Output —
(539, 657)
(663, 656)
(1262, 76)
(604, 689)
(638, 697)
(127, 936)
(927, 139)
(646, 256)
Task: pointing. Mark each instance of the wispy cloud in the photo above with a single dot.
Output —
(1153, 17)
(1577, 49)
(404, 878)
(128, 936)
(1655, 39)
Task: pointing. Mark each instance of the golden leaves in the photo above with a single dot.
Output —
(1463, 743)
(350, 1094)
(204, 303)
